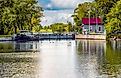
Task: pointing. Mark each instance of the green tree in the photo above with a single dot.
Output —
(70, 28)
(61, 27)
(104, 7)
(19, 15)
(84, 10)
(114, 19)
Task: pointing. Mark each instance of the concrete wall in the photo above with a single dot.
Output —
(100, 37)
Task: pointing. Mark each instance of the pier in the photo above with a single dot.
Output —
(28, 36)
(51, 36)
(92, 37)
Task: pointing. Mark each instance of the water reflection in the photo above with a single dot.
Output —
(88, 52)
(19, 46)
(101, 58)
(61, 59)
(5, 47)
(27, 46)
(18, 65)
(92, 47)
(111, 63)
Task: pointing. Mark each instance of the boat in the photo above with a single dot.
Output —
(24, 35)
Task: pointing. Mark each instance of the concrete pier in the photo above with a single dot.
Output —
(95, 37)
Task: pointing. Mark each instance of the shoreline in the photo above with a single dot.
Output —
(19, 55)
(90, 37)
(77, 37)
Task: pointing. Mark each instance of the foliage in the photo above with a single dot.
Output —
(83, 10)
(5, 36)
(97, 8)
(108, 10)
(105, 5)
(37, 28)
(19, 15)
(114, 19)
(60, 27)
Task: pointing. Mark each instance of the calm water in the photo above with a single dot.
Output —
(61, 59)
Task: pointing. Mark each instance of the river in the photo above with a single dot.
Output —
(61, 59)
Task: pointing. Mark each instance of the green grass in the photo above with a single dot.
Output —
(5, 36)
(48, 30)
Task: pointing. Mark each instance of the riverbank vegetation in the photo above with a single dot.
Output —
(18, 15)
(108, 10)
(61, 28)
(5, 36)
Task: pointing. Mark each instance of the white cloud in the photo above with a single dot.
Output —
(49, 5)
(67, 3)
(58, 16)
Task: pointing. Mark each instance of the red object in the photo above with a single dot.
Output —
(93, 21)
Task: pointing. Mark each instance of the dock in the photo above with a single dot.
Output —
(92, 37)
(54, 36)
(39, 36)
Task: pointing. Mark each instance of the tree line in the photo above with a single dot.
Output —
(18, 15)
(108, 10)
(61, 28)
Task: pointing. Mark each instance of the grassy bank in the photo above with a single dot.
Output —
(5, 36)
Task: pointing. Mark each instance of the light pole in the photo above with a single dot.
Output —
(96, 21)
(89, 17)
(89, 21)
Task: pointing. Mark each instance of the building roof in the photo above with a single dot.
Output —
(93, 21)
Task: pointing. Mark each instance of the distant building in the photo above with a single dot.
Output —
(92, 26)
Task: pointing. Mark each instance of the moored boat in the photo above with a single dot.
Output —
(24, 35)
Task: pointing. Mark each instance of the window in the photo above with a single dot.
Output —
(100, 29)
(90, 28)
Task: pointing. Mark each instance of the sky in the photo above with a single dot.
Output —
(58, 11)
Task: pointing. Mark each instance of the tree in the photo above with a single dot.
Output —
(83, 11)
(114, 20)
(104, 7)
(97, 8)
(70, 28)
(19, 15)
(61, 27)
